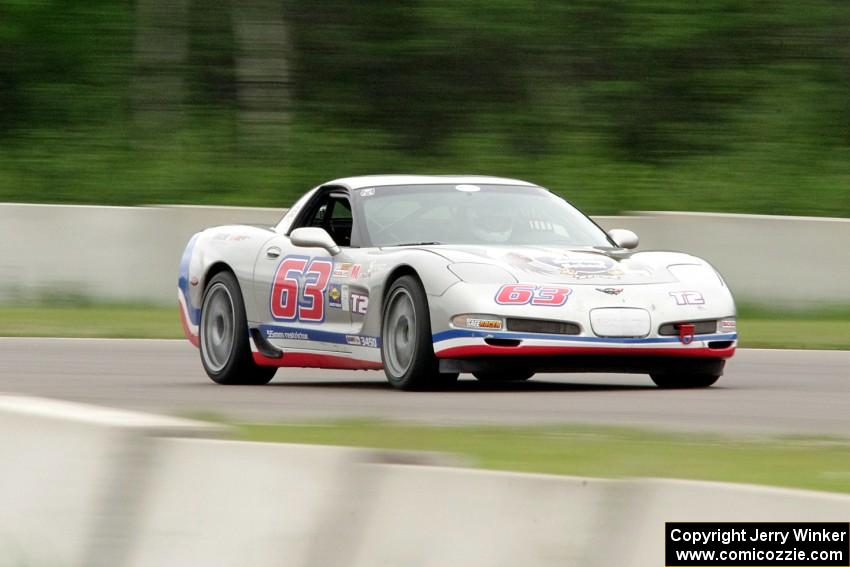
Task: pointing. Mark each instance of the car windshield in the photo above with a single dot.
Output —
(473, 214)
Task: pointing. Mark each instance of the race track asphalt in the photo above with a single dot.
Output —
(763, 391)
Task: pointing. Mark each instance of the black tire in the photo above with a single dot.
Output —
(225, 350)
(682, 381)
(406, 348)
(513, 376)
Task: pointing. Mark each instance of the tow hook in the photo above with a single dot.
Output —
(686, 333)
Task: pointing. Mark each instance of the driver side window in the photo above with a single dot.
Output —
(333, 213)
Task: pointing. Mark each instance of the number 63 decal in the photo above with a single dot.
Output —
(298, 289)
(523, 294)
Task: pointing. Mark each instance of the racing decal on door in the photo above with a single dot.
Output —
(298, 289)
(359, 303)
(335, 296)
(542, 295)
(346, 270)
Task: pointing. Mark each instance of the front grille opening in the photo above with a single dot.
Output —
(719, 344)
(700, 327)
(539, 326)
(502, 342)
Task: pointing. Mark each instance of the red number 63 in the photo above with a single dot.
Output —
(298, 290)
(523, 294)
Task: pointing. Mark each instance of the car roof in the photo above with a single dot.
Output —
(363, 181)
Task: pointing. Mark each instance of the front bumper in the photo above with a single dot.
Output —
(466, 343)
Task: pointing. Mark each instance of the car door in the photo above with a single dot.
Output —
(300, 298)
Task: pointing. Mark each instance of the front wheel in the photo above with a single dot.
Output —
(406, 348)
(674, 381)
(225, 350)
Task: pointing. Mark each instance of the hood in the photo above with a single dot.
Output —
(571, 265)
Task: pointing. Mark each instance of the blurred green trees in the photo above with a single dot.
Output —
(618, 104)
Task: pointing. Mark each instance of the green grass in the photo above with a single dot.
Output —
(828, 329)
(799, 462)
(105, 321)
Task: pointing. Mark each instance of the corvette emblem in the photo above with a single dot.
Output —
(610, 290)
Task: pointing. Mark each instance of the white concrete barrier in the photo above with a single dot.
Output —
(235, 503)
(70, 478)
(132, 253)
(432, 516)
(128, 254)
(83, 486)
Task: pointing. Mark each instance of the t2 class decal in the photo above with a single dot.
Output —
(542, 295)
(688, 297)
(359, 303)
(298, 289)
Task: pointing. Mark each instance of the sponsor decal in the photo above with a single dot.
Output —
(341, 270)
(484, 324)
(346, 270)
(288, 335)
(359, 303)
(577, 266)
(687, 297)
(610, 290)
(335, 296)
(542, 295)
(357, 340)
(317, 335)
(367, 192)
(585, 266)
(346, 297)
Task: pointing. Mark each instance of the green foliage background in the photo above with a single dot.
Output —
(716, 105)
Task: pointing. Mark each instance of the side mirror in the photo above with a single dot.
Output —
(314, 237)
(624, 238)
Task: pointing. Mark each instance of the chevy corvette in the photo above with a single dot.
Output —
(431, 276)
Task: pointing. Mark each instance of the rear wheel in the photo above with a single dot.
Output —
(503, 376)
(225, 350)
(680, 381)
(406, 348)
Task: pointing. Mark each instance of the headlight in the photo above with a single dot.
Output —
(728, 325)
(475, 321)
(475, 273)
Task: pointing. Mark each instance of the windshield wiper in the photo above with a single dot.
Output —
(416, 244)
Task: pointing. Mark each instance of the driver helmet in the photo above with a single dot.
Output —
(490, 224)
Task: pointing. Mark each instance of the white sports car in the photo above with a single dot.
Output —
(430, 276)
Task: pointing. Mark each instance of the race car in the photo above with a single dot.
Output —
(428, 277)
